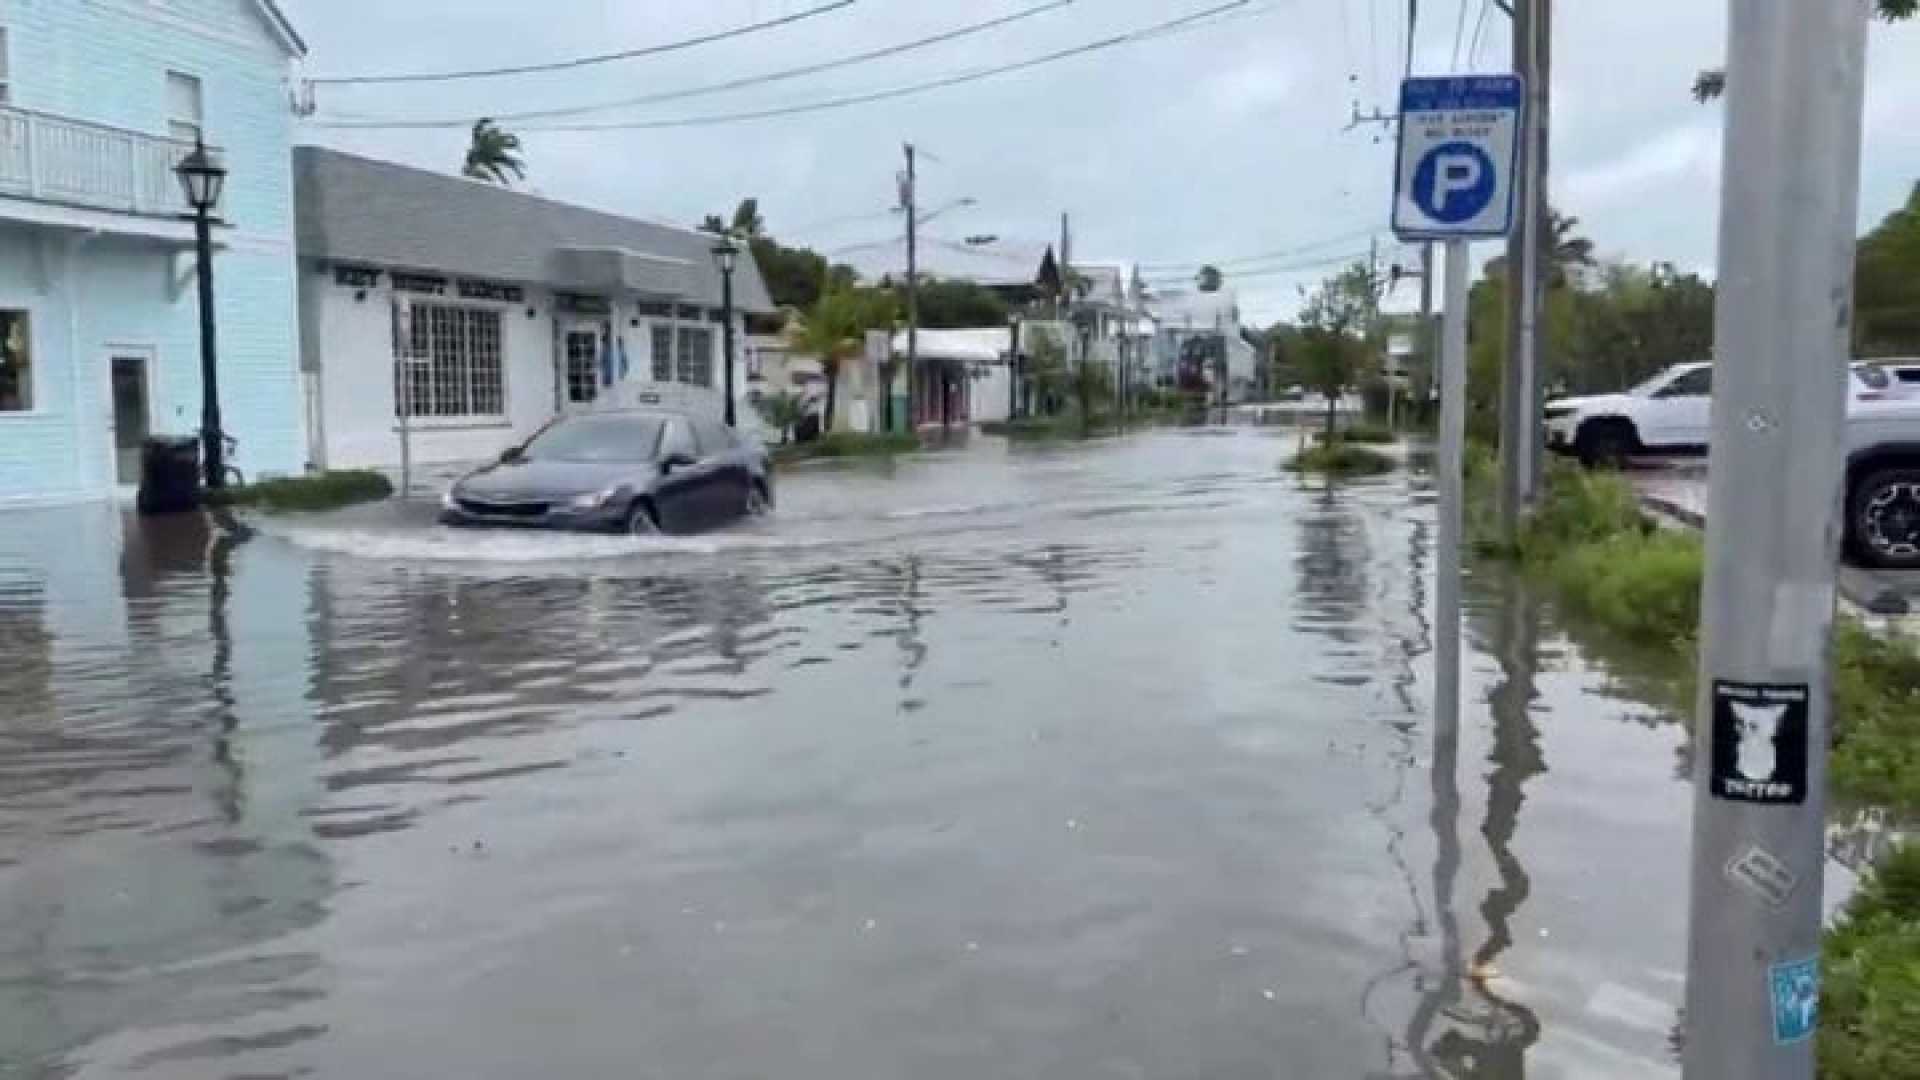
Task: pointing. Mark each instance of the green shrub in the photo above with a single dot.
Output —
(1636, 583)
(1370, 434)
(1876, 691)
(841, 444)
(1341, 458)
(1870, 979)
(319, 491)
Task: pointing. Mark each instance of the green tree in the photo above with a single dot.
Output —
(949, 303)
(781, 411)
(795, 276)
(836, 329)
(1887, 284)
(493, 153)
(1209, 279)
(1047, 367)
(1712, 83)
(1337, 335)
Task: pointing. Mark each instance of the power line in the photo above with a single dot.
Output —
(586, 61)
(730, 84)
(1184, 22)
(1460, 32)
(1265, 256)
(1273, 271)
(1479, 25)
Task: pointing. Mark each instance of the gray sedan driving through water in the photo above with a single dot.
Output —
(636, 471)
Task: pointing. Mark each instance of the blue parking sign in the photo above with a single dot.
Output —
(1459, 148)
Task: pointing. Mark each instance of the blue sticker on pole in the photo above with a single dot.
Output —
(1459, 152)
(1795, 989)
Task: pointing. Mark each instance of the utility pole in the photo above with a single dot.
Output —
(1519, 419)
(1795, 78)
(1540, 108)
(1429, 354)
(910, 200)
(1453, 434)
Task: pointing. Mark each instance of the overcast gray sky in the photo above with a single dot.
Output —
(1219, 142)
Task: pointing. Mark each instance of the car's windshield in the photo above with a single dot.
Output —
(597, 439)
(1653, 383)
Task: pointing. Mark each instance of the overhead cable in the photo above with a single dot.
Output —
(585, 61)
(1114, 41)
(719, 87)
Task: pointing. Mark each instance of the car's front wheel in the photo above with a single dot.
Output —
(640, 520)
(1884, 513)
(1605, 444)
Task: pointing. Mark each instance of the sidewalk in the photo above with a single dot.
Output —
(1678, 493)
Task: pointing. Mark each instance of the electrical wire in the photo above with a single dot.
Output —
(1460, 33)
(1479, 25)
(1266, 256)
(1273, 271)
(1160, 29)
(586, 61)
(719, 87)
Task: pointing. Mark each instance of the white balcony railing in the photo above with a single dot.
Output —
(60, 160)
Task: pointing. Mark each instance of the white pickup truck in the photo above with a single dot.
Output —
(1671, 413)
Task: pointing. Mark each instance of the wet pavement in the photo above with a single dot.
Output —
(1102, 760)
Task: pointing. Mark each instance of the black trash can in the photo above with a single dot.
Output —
(169, 474)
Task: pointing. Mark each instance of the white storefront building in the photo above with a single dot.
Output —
(464, 316)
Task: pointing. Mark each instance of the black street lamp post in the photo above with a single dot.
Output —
(201, 178)
(726, 252)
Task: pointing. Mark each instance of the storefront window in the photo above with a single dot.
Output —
(695, 362)
(662, 352)
(16, 362)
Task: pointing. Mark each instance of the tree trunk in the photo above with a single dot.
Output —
(886, 398)
(833, 393)
(1332, 402)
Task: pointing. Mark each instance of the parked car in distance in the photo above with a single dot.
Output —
(1670, 414)
(633, 471)
(1883, 481)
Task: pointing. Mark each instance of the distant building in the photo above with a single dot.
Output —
(1188, 325)
(476, 314)
(99, 311)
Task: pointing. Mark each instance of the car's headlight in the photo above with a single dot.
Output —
(592, 502)
(447, 500)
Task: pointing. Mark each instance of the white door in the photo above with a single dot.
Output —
(1680, 413)
(130, 419)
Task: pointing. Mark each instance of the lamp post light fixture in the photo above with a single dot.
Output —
(201, 179)
(727, 254)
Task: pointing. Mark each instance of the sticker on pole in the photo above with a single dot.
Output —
(1795, 990)
(1760, 742)
(1459, 146)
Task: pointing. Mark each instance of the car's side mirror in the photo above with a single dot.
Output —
(675, 461)
(512, 454)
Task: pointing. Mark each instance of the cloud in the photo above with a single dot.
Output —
(1248, 87)
(1676, 161)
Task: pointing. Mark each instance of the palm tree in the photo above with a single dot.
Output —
(836, 330)
(493, 153)
(1566, 249)
(781, 411)
(1209, 279)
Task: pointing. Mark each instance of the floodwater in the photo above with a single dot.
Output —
(1101, 760)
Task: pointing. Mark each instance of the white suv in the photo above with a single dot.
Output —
(1669, 413)
(1672, 413)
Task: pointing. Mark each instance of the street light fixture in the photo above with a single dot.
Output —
(202, 178)
(727, 254)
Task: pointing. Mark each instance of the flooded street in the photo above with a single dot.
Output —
(1101, 760)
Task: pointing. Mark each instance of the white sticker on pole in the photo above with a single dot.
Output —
(1459, 149)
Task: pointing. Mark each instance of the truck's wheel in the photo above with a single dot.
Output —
(1606, 444)
(1883, 518)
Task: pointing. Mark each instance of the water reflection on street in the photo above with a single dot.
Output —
(1111, 759)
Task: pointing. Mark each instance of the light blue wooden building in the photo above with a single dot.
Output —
(99, 325)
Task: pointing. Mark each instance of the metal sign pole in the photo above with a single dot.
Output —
(1453, 434)
(1788, 202)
